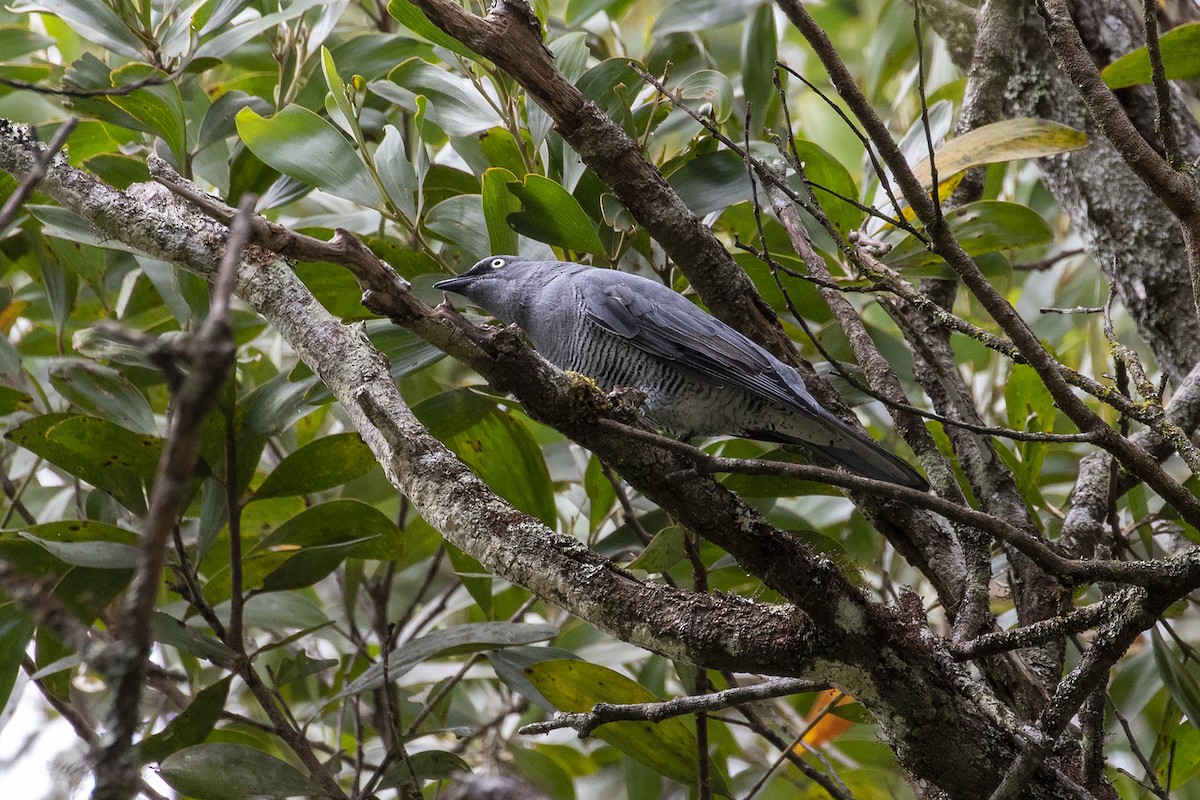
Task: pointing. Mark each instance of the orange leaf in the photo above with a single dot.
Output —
(828, 726)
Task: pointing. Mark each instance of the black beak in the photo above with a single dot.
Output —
(455, 284)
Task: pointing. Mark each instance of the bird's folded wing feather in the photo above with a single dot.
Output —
(668, 327)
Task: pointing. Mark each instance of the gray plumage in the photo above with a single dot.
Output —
(700, 376)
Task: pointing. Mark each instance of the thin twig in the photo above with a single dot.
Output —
(586, 722)
(1162, 89)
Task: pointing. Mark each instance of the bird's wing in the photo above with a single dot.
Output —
(666, 326)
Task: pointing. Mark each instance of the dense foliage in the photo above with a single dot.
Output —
(293, 565)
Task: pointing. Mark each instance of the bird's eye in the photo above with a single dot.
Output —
(497, 263)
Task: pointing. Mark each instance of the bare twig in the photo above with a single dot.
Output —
(603, 713)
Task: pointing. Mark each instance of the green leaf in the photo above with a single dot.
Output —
(62, 288)
(1180, 54)
(310, 149)
(16, 629)
(665, 550)
(830, 182)
(100, 452)
(553, 215)
(322, 464)
(471, 636)
(496, 445)
(711, 182)
(498, 204)
(600, 493)
(690, 16)
(191, 726)
(97, 555)
(13, 400)
(459, 220)
(428, 765)
(510, 664)
(396, 172)
(16, 41)
(454, 103)
(709, 86)
(225, 771)
(339, 522)
(310, 564)
(1179, 675)
(987, 226)
(159, 108)
(220, 120)
(1007, 140)
(169, 631)
(408, 15)
(104, 392)
(477, 581)
(337, 89)
(96, 20)
(667, 747)
(63, 224)
(759, 52)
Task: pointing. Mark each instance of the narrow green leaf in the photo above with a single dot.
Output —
(667, 747)
(225, 771)
(191, 726)
(322, 464)
(310, 149)
(1178, 675)
(428, 765)
(169, 631)
(553, 215)
(159, 107)
(16, 629)
(104, 392)
(471, 636)
(690, 16)
(339, 522)
(759, 52)
(498, 204)
(408, 15)
(337, 88)
(16, 41)
(96, 20)
(97, 555)
(454, 103)
(396, 172)
(1180, 54)
(310, 564)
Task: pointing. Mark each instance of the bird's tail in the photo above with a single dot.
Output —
(854, 451)
(866, 457)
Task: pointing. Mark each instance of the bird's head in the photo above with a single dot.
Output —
(502, 284)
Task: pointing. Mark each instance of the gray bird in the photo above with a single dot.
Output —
(700, 376)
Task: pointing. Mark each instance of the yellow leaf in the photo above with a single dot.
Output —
(1007, 140)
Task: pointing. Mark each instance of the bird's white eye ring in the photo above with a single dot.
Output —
(497, 263)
